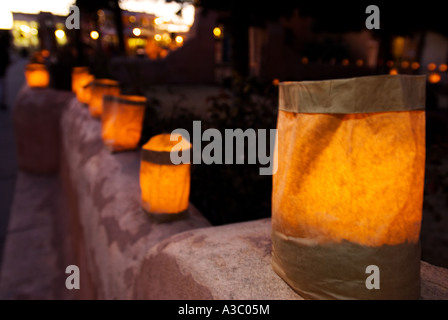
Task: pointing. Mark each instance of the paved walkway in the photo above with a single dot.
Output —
(8, 165)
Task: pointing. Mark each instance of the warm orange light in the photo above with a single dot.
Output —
(322, 206)
(276, 82)
(349, 186)
(415, 65)
(389, 63)
(163, 53)
(179, 39)
(60, 34)
(84, 91)
(45, 53)
(443, 68)
(432, 66)
(165, 187)
(434, 77)
(78, 74)
(37, 75)
(405, 64)
(166, 37)
(94, 35)
(121, 121)
(304, 60)
(217, 32)
(157, 37)
(359, 62)
(101, 87)
(137, 31)
(393, 71)
(345, 62)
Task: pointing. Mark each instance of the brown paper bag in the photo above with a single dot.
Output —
(122, 121)
(348, 191)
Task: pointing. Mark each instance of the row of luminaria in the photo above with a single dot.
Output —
(347, 196)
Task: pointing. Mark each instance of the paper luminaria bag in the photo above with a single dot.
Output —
(80, 76)
(122, 121)
(348, 191)
(37, 75)
(165, 187)
(100, 88)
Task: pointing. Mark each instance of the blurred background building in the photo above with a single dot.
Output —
(217, 40)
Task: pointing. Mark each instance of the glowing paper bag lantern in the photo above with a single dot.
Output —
(101, 87)
(121, 121)
(84, 91)
(165, 187)
(348, 192)
(37, 75)
(79, 74)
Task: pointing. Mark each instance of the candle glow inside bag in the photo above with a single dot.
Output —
(348, 191)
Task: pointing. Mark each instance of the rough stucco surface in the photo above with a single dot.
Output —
(116, 233)
(228, 262)
(37, 249)
(233, 262)
(36, 116)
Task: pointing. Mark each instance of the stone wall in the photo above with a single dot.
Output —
(92, 218)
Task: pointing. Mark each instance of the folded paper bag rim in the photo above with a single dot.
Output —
(368, 94)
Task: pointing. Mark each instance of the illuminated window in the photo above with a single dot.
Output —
(60, 34)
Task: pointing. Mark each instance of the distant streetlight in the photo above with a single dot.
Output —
(179, 39)
(157, 37)
(137, 31)
(217, 32)
(60, 34)
(94, 35)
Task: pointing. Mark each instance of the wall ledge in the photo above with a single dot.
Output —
(121, 253)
